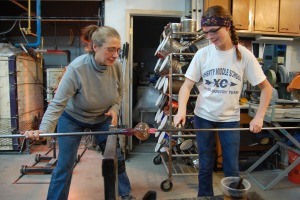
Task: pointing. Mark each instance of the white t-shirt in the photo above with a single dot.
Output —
(222, 77)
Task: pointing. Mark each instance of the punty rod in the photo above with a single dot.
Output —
(131, 131)
(117, 131)
(223, 129)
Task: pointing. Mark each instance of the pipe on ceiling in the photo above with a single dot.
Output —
(38, 27)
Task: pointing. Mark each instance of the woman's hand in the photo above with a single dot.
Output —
(32, 135)
(114, 117)
(179, 119)
(256, 125)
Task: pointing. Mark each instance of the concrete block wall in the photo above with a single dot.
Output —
(5, 120)
(4, 89)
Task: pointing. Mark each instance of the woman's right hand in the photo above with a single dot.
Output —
(32, 134)
(179, 119)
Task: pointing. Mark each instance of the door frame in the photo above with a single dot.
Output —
(130, 13)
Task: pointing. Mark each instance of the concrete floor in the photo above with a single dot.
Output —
(87, 180)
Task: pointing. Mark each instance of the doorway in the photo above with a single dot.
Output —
(144, 34)
(146, 38)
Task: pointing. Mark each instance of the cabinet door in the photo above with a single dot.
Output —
(240, 14)
(224, 3)
(266, 15)
(289, 17)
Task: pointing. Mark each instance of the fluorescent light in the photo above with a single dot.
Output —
(260, 37)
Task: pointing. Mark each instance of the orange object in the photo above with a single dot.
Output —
(294, 87)
(295, 83)
(294, 174)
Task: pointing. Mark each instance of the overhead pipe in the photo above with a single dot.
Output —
(28, 29)
(38, 26)
(52, 19)
(18, 4)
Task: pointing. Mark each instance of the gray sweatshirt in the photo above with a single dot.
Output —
(86, 91)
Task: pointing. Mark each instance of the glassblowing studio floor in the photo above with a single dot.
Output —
(87, 182)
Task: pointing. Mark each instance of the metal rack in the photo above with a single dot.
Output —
(175, 161)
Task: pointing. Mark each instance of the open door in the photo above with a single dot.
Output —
(143, 33)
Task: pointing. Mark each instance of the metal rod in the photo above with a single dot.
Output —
(130, 131)
(51, 19)
(222, 129)
(118, 131)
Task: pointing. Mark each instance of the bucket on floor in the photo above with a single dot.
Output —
(294, 174)
(231, 193)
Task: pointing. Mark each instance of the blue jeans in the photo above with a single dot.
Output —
(68, 146)
(230, 144)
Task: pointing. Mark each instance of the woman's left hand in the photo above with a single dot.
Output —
(114, 117)
(256, 125)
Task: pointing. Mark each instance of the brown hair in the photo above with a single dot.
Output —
(221, 12)
(98, 35)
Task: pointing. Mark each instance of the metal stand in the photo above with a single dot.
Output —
(110, 171)
(48, 168)
(278, 144)
(110, 168)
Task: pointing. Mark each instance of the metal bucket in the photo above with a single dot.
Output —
(176, 27)
(176, 85)
(158, 64)
(168, 63)
(189, 25)
(169, 46)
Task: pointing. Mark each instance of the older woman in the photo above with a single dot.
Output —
(88, 96)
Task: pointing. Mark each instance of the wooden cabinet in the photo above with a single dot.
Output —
(266, 15)
(240, 14)
(289, 16)
(272, 17)
(277, 16)
(224, 3)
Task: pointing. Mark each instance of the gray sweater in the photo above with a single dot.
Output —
(86, 91)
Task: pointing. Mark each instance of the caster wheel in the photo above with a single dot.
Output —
(23, 169)
(166, 185)
(157, 160)
(37, 158)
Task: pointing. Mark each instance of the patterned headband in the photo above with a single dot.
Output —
(215, 21)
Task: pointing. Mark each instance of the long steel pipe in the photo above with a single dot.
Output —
(118, 131)
(130, 131)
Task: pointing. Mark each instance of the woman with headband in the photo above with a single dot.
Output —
(221, 67)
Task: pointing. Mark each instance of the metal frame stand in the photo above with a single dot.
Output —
(52, 160)
(110, 168)
(278, 144)
(48, 168)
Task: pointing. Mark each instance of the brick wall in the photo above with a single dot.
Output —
(30, 96)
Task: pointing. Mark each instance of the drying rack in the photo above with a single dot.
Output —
(173, 166)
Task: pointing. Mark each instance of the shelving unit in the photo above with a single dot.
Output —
(177, 162)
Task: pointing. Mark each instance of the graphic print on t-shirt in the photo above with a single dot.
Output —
(223, 85)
